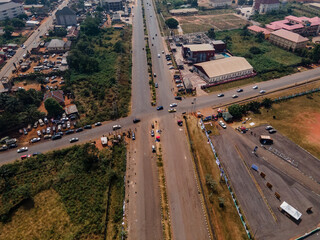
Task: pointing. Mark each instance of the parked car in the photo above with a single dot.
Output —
(79, 129)
(25, 156)
(72, 140)
(35, 125)
(4, 147)
(97, 124)
(45, 120)
(156, 85)
(47, 136)
(222, 124)
(59, 127)
(70, 131)
(136, 120)
(36, 153)
(153, 148)
(56, 137)
(39, 133)
(87, 127)
(116, 127)
(48, 130)
(54, 128)
(133, 136)
(12, 145)
(178, 98)
(255, 87)
(41, 122)
(160, 108)
(23, 149)
(269, 127)
(25, 131)
(152, 133)
(172, 105)
(34, 140)
(272, 131)
(68, 124)
(180, 123)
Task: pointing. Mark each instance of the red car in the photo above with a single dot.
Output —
(25, 156)
(179, 122)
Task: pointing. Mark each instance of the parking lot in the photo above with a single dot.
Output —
(258, 202)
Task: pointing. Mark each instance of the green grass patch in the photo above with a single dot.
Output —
(80, 175)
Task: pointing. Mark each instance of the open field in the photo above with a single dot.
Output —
(202, 23)
(67, 194)
(225, 221)
(257, 202)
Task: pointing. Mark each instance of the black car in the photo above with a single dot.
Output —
(13, 145)
(69, 131)
(56, 137)
(87, 127)
(79, 130)
(136, 120)
(72, 117)
(272, 131)
(160, 108)
(178, 98)
(36, 153)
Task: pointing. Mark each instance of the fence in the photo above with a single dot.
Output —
(279, 99)
(227, 181)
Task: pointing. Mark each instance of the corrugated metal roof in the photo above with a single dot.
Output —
(199, 47)
(291, 36)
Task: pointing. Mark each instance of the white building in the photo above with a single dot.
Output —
(264, 6)
(220, 3)
(224, 69)
(10, 10)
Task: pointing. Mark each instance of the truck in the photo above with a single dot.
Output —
(41, 123)
(104, 141)
(11, 141)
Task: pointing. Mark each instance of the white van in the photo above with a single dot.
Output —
(41, 123)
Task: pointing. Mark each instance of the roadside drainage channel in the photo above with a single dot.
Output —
(227, 182)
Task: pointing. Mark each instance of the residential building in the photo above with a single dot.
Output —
(73, 33)
(314, 5)
(264, 6)
(116, 18)
(112, 5)
(66, 17)
(10, 10)
(288, 40)
(302, 25)
(219, 46)
(256, 29)
(223, 70)
(71, 109)
(58, 46)
(198, 52)
(220, 3)
(184, 11)
(57, 95)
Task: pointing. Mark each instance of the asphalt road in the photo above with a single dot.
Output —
(29, 43)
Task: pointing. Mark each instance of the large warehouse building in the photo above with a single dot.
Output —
(230, 68)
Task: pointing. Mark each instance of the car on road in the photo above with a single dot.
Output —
(154, 74)
(255, 87)
(46, 136)
(97, 124)
(36, 153)
(169, 63)
(262, 91)
(171, 67)
(160, 108)
(153, 148)
(13, 145)
(87, 127)
(171, 110)
(179, 85)
(234, 96)
(178, 98)
(222, 124)
(156, 85)
(23, 149)
(25, 156)
(180, 123)
(240, 90)
(34, 140)
(220, 95)
(56, 137)
(136, 120)
(159, 55)
(75, 139)
(116, 127)
(152, 133)
(272, 131)
(268, 127)
(133, 136)
(79, 129)
(70, 131)
(172, 105)
(3, 148)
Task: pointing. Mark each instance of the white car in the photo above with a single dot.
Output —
(255, 87)
(234, 96)
(220, 95)
(23, 149)
(159, 55)
(222, 124)
(269, 127)
(172, 105)
(262, 91)
(74, 140)
(116, 127)
(39, 133)
(34, 140)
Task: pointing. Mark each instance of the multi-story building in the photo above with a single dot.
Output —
(302, 25)
(256, 29)
(198, 52)
(66, 17)
(288, 40)
(10, 10)
(264, 6)
(220, 3)
(112, 5)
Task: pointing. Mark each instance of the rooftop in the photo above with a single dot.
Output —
(291, 22)
(184, 10)
(259, 29)
(65, 11)
(224, 66)
(291, 36)
(56, 43)
(199, 47)
(9, 5)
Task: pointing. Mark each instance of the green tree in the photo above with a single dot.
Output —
(18, 23)
(315, 55)
(23, 16)
(235, 111)
(211, 184)
(53, 107)
(91, 26)
(241, 2)
(254, 107)
(267, 103)
(118, 47)
(255, 50)
(211, 34)
(172, 23)
(8, 30)
(260, 37)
